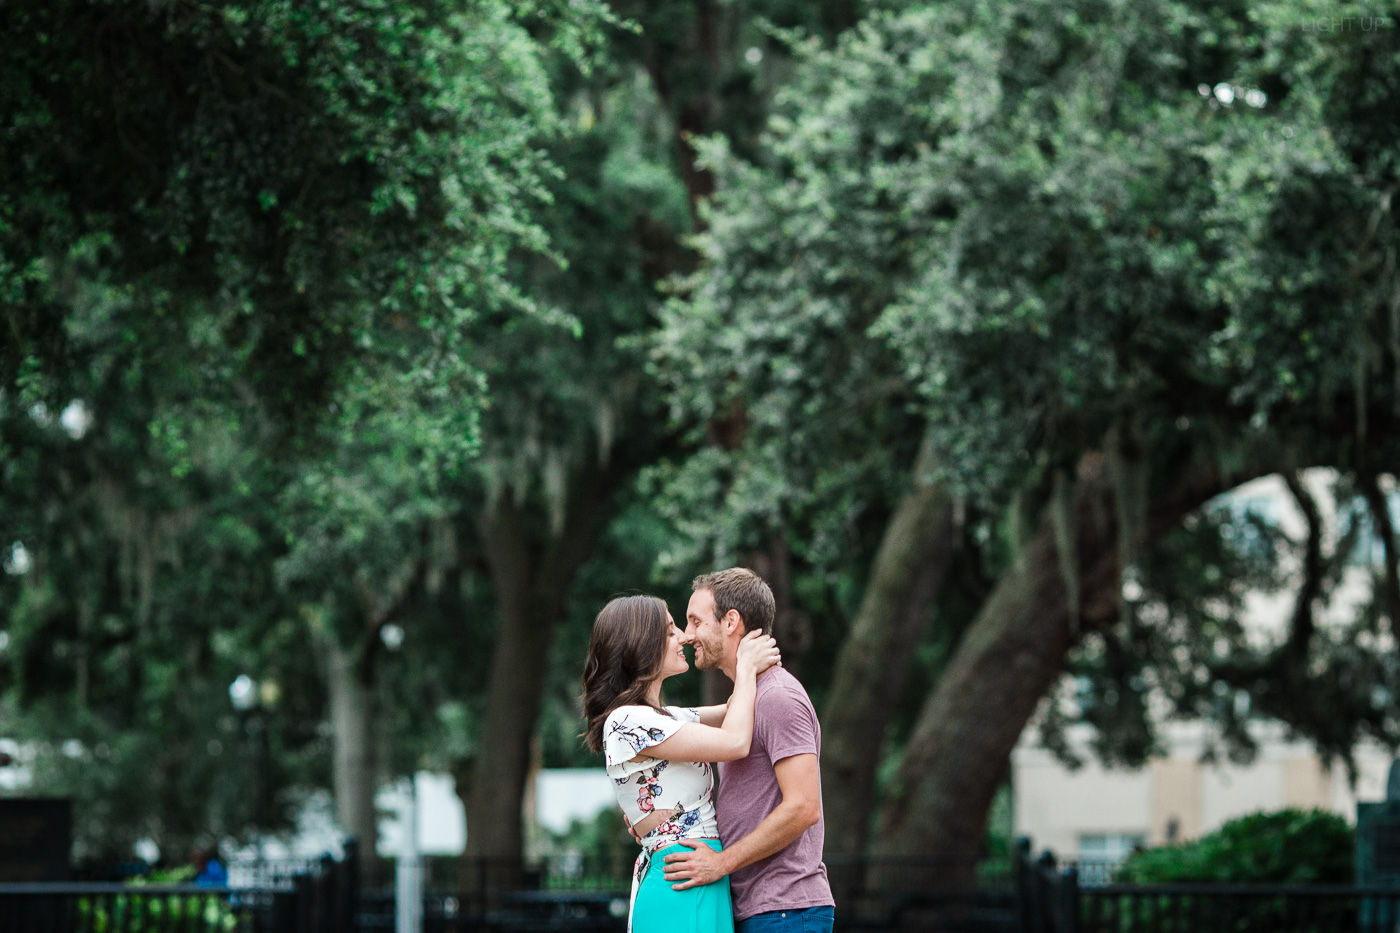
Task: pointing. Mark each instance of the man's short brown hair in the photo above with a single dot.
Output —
(743, 590)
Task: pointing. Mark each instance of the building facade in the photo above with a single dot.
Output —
(1098, 814)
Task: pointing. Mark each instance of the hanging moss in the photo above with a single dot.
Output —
(1395, 334)
(1020, 522)
(556, 487)
(493, 482)
(1062, 519)
(605, 423)
(1128, 470)
(1359, 386)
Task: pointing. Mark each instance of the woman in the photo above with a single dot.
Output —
(659, 757)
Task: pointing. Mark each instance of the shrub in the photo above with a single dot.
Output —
(1287, 847)
(140, 912)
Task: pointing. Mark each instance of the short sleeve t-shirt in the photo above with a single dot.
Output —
(785, 724)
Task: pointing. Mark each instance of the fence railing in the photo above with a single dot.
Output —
(270, 873)
(1051, 899)
(1095, 872)
(1020, 895)
(321, 899)
(99, 907)
(574, 893)
(1215, 908)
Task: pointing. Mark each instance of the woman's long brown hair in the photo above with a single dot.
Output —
(625, 654)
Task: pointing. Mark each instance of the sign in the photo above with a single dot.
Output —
(1378, 853)
(35, 839)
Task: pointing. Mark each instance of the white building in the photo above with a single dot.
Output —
(1100, 815)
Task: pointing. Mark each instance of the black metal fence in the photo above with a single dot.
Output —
(923, 893)
(1051, 899)
(1232, 908)
(573, 893)
(926, 894)
(98, 907)
(320, 899)
(485, 895)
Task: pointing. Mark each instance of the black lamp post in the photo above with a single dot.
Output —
(244, 694)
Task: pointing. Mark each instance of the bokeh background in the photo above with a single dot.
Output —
(353, 353)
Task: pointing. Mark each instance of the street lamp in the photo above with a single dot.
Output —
(245, 695)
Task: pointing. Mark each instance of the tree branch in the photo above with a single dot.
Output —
(1286, 666)
(1302, 623)
(380, 611)
(1385, 530)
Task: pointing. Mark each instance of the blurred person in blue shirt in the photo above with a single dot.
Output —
(209, 870)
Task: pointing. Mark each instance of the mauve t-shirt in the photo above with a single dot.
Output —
(785, 724)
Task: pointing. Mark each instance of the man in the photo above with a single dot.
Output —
(770, 803)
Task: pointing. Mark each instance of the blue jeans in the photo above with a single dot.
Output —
(802, 920)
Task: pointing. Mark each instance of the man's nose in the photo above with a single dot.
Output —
(687, 635)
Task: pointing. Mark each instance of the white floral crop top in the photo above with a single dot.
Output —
(651, 784)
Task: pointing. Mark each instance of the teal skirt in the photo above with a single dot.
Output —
(659, 909)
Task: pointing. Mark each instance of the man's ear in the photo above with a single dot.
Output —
(733, 622)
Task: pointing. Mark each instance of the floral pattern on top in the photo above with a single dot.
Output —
(648, 790)
(678, 825)
(638, 732)
(682, 789)
(643, 785)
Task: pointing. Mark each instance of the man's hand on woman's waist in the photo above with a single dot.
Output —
(701, 865)
(799, 780)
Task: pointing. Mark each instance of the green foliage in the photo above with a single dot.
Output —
(1290, 847)
(146, 913)
(1043, 236)
(283, 202)
(246, 246)
(567, 405)
(561, 407)
(626, 555)
(295, 295)
(1286, 847)
(1054, 237)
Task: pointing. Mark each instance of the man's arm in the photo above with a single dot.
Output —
(801, 808)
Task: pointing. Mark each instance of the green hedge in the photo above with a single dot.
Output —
(143, 912)
(1287, 847)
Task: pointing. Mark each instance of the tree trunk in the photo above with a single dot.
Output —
(497, 779)
(354, 758)
(715, 688)
(792, 629)
(1015, 650)
(1379, 506)
(350, 680)
(687, 78)
(531, 581)
(871, 669)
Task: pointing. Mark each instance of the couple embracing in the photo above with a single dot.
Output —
(759, 837)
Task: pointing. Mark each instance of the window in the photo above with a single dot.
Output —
(1109, 847)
